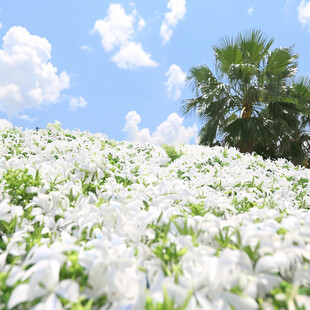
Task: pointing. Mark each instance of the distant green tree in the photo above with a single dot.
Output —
(252, 101)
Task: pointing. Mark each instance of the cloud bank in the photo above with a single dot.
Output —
(117, 31)
(27, 77)
(86, 48)
(304, 13)
(250, 11)
(4, 124)
(76, 103)
(28, 118)
(177, 10)
(175, 82)
(170, 131)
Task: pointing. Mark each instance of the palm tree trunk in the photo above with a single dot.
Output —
(246, 146)
(246, 111)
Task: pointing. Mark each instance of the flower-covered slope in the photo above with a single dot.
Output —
(90, 223)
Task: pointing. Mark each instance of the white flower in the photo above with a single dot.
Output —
(44, 283)
(243, 221)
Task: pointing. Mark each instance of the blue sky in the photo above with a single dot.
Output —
(118, 67)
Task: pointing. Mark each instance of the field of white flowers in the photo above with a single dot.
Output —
(90, 223)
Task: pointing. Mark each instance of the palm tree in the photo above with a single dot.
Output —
(251, 101)
(296, 145)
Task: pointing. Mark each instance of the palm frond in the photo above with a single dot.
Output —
(241, 129)
(300, 89)
(227, 53)
(208, 133)
(198, 76)
(208, 90)
(254, 46)
(282, 62)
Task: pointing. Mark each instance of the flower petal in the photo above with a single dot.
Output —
(68, 289)
(53, 303)
(241, 302)
(19, 295)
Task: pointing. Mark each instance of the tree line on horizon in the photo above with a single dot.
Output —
(253, 100)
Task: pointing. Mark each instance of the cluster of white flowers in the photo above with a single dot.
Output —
(90, 223)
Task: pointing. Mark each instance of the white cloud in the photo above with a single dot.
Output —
(27, 77)
(141, 24)
(117, 28)
(132, 56)
(76, 103)
(117, 31)
(250, 11)
(170, 131)
(175, 82)
(177, 12)
(28, 118)
(5, 124)
(86, 48)
(304, 13)
(0, 25)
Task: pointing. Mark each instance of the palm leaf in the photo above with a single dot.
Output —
(254, 46)
(282, 62)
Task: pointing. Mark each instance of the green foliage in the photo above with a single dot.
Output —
(243, 205)
(125, 181)
(186, 230)
(83, 304)
(34, 238)
(89, 188)
(167, 251)
(172, 153)
(197, 209)
(224, 238)
(170, 257)
(181, 175)
(16, 183)
(283, 296)
(5, 291)
(71, 269)
(167, 304)
(303, 182)
(161, 230)
(8, 228)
